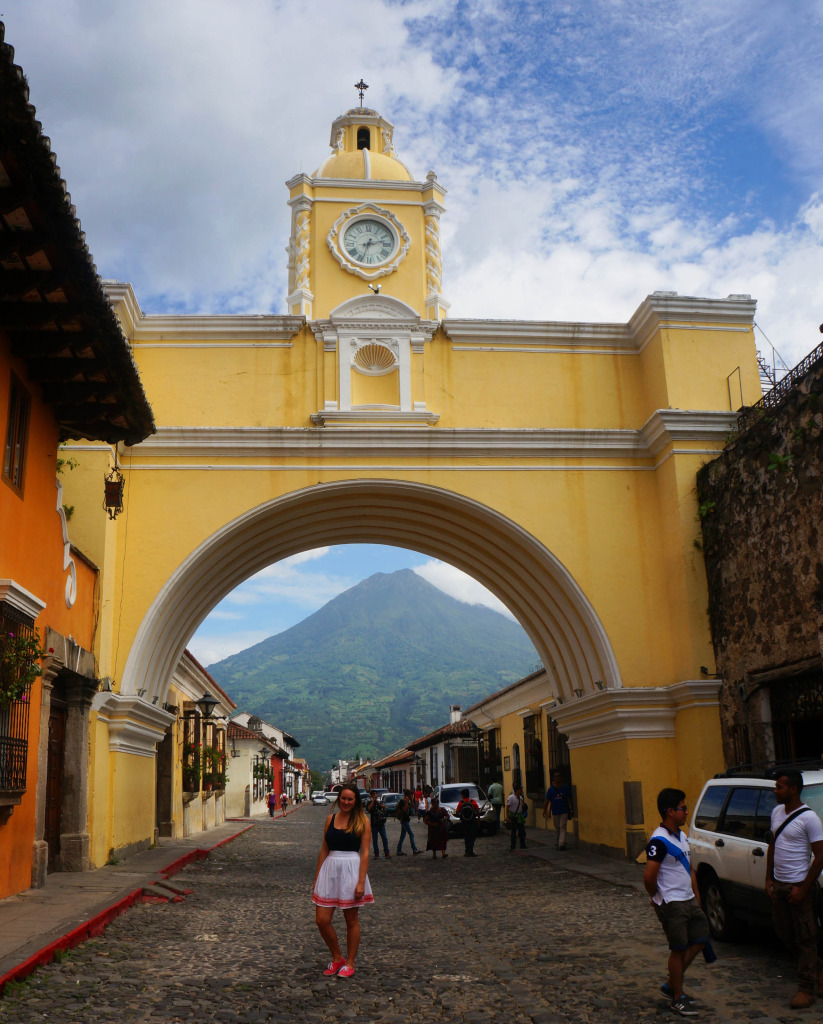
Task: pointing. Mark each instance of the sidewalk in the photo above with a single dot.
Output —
(607, 869)
(74, 906)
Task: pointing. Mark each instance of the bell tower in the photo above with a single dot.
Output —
(362, 225)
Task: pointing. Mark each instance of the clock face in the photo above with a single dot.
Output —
(369, 242)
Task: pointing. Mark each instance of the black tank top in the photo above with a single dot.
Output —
(339, 839)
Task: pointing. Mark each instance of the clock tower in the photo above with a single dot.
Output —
(364, 269)
(362, 225)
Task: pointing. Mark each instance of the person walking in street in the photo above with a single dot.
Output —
(341, 878)
(559, 798)
(377, 815)
(272, 802)
(284, 803)
(793, 863)
(403, 814)
(424, 803)
(437, 822)
(497, 799)
(468, 811)
(672, 885)
(517, 809)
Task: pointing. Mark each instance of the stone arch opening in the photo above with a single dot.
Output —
(539, 591)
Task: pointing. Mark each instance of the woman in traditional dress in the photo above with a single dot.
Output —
(341, 880)
(437, 820)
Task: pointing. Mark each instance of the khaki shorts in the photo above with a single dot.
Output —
(684, 923)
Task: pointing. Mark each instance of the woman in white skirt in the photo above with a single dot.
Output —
(341, 879)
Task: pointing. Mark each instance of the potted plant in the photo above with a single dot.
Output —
(192, 766)
(20, 652)
(214, 764)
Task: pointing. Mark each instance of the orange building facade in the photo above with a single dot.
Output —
(66, 372)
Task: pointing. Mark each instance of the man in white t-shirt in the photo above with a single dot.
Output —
(672, 885)
(794, 861)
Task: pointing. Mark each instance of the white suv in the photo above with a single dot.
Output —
(729, 837)
(449, 797)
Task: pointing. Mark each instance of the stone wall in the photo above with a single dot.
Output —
(761, 513)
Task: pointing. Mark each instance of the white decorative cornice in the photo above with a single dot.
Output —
(672, 426)
(538, 333)
(135, 727)
(371, 185)
(333, 417)
(373, 307)
(735, 313)
(522, 698)
(660, 307)
(432, 208)
(197, 331)
(632, 713)
(663, 428)
(301, 202)
(301, 178)
(695, 693)
(20, 599)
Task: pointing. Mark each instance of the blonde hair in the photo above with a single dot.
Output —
(358, 818)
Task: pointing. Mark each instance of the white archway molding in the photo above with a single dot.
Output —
(517, 568)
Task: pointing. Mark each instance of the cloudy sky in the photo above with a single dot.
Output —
(593, 152)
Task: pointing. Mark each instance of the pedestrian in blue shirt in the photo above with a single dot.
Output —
(559, 797)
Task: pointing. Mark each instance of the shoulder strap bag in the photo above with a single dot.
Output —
(789, 820)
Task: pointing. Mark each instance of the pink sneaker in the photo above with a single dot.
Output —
(345, 972)
(334, 966)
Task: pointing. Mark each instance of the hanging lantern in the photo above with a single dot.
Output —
(207, 704)
(113, 483)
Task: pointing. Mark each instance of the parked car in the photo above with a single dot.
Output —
(331, 795)
(390, 801)
(729, 837)
(319, 798)
(449, 797)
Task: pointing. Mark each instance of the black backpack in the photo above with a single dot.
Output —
(467, 813)
(400, 809)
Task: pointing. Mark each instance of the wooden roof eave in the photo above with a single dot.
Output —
(49, 285)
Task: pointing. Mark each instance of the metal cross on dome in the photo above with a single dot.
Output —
(361, 88)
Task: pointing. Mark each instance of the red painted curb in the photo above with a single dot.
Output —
(92, 928)
(96, 925)
(228, 839)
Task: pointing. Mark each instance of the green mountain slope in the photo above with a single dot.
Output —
(376, 667)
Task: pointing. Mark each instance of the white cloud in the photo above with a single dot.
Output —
(459, 585)
(593, 152)
(307, 590)
(209, 648)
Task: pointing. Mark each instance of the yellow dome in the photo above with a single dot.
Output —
(363, 164)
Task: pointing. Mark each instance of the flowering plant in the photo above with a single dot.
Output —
(214, 764)
(19, 656)
(191, 766)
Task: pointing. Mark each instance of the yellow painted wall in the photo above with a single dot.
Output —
(621, 523)
(331, 285)
(699, 750)
(132, 787)
(384, 390)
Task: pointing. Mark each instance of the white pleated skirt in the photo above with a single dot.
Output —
(336, 882)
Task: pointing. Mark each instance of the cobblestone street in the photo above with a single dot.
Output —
(502, 937)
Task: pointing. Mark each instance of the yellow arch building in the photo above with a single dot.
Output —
(555, 462)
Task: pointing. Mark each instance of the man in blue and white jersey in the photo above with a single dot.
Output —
(672, 885)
